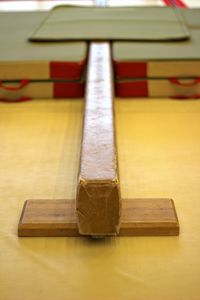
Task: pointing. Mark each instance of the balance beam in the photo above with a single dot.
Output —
(98, 202)
(97, 210)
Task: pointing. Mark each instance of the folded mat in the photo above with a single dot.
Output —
(166, 59)
(21, 59)
(159, 88)
(111, 23)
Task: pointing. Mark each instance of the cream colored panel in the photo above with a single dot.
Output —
(165, 88)
(24, 70)
(32, 90)
(173, 68)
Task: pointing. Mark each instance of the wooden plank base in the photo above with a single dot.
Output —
(140, 217)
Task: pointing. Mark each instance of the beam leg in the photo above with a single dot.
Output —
(140, 217)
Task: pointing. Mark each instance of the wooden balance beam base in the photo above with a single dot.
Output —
(140, 217)
(97, 211)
